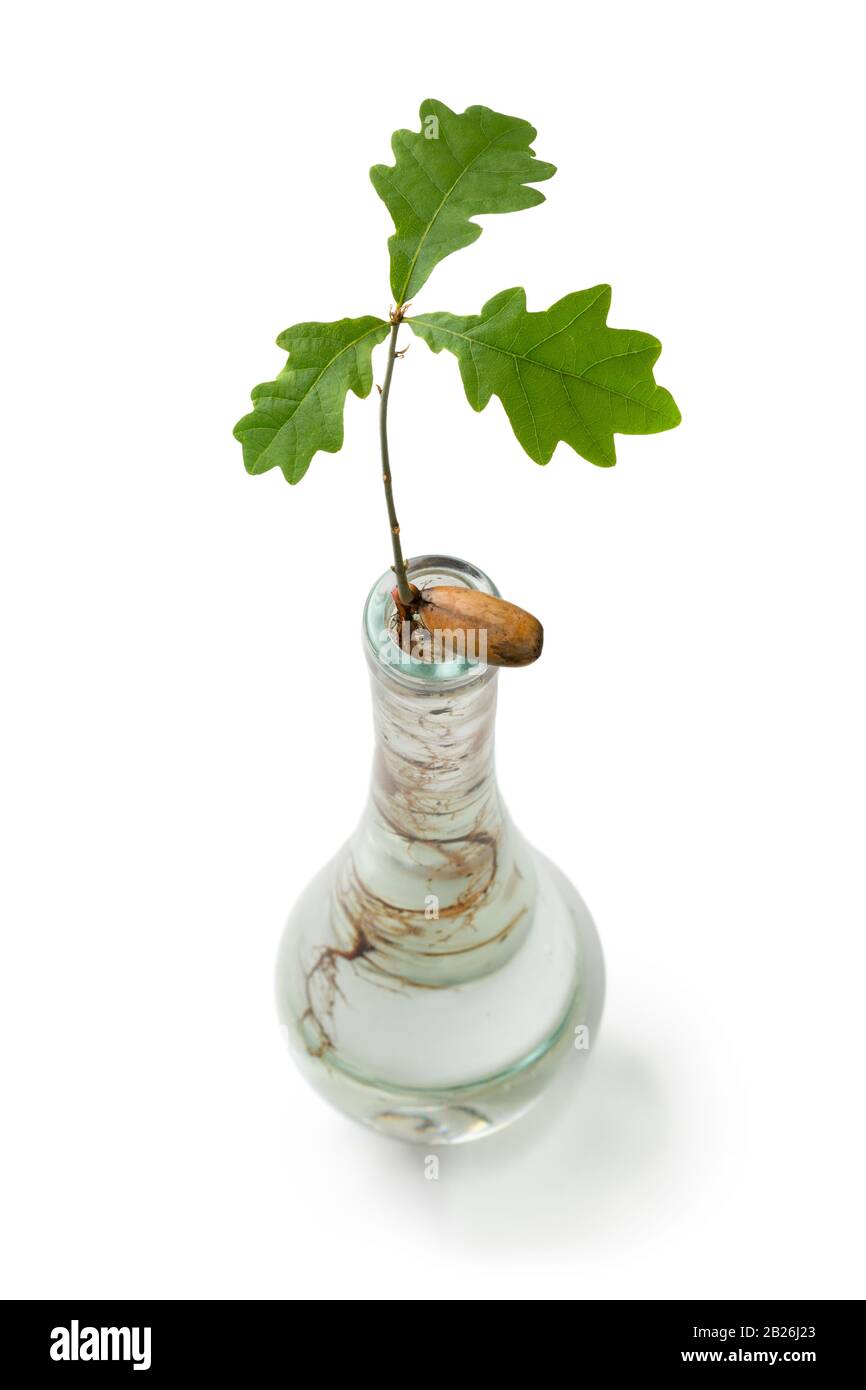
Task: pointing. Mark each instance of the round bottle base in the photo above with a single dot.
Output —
(431, 1095)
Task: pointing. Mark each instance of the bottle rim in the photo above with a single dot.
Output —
(384, 652)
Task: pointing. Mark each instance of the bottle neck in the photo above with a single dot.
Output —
(433, 771)
(437, 890)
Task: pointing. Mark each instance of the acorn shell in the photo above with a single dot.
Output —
(513, 636)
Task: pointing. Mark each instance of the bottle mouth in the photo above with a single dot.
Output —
(389, 647)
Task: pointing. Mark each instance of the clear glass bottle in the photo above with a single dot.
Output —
(437, 970)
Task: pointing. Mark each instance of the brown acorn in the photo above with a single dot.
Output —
(511, 635)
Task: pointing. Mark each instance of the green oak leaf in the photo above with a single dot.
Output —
(302, 411)
(561, 374)
(454, 169)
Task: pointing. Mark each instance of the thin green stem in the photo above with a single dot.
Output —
(399, 563)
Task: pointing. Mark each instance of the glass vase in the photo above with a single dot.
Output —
(435, 973)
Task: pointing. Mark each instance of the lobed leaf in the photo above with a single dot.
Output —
(561, 374)
(301, 412)
(456, 167)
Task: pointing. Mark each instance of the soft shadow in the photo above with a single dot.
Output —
(577, 1169)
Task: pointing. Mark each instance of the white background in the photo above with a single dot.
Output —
(184, 182)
